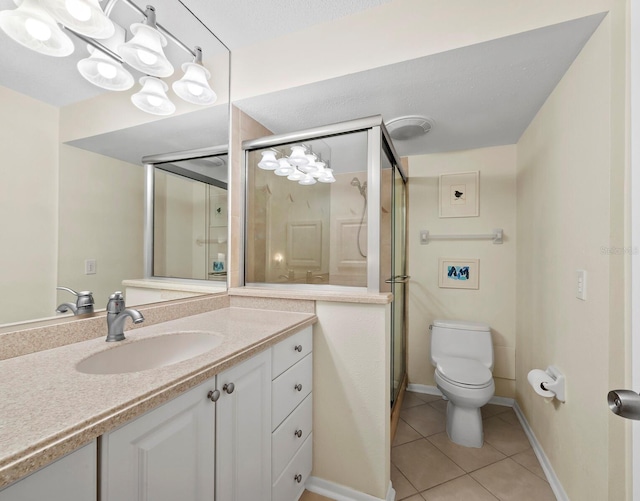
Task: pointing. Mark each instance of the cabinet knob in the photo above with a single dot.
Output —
(298, 433)
(298, 348)
(229, 387)
(298, 478)
(213, 395)
(298, 387)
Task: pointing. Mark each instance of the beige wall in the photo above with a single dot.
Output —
(351, 444)
(29, 207)
(494, 302)
(101, 217)
(570, 199)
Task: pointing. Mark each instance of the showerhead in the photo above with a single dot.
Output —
(361, 187)
(355, 182)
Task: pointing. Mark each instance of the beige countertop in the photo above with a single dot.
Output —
(48, 408)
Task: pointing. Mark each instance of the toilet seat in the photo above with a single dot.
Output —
(464, 372)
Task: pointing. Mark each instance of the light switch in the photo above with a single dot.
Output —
(424, 237)
(90, 266)
(581, 284)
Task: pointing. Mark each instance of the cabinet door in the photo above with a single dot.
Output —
(167, 454)
(243, 430)
(72, 478)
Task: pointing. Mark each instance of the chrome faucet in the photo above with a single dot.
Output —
(117, 315)
(290, 277)
(84, 303)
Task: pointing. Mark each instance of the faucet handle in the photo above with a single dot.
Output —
(116, 302)
(84, 301)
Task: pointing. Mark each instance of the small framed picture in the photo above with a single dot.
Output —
(459, 273)
(459, 194)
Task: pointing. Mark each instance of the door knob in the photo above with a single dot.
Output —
(213, 395)
(229, 387)
(624, 403)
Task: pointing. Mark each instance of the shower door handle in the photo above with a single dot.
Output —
(624, 403)
(398, 279)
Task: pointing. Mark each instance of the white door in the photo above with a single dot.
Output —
(243, 431)
(167, 454)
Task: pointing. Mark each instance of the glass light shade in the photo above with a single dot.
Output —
(296, 175)
(269, 160)
(327, 176)
(32, 27)
(193, 86)
(105, 72)
(307, 180)
(320, 170)
(153, 98)
(144, 51)
(297, 157)
(285, 168)
(83, 16)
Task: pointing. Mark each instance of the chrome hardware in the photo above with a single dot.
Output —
(298, 478)
(84, 303)
(298, 387)
(213, 395)
(229, 387)
(624, 403)
(298, 348)
(117, 315)
(298, 433)
(398, 279)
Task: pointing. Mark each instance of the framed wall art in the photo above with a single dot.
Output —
(459, 273)
(459, 194)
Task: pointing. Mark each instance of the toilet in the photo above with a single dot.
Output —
(462, 353)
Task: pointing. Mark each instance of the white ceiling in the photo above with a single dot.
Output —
(480, 95)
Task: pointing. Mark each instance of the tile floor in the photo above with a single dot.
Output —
(427, 466)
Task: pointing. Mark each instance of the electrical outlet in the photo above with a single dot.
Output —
(581, 284)
(90, 266)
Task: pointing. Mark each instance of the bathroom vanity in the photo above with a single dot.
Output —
(234, 422)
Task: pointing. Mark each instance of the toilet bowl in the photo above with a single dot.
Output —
(462, 353)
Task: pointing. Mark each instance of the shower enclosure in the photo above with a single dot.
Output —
(325, 210)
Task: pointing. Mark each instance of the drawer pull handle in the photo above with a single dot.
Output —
(298, 387)
(213, 395)
(298, 348)
(229, 387)
(298, 478)
(298, 433)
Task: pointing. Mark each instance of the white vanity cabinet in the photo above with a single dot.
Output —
(291, 416)
(167, 454)
(72, 478)
(243, 431)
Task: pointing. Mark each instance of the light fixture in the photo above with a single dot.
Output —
(409, 127)
(153, 98)
(32, 27)
(193, 86)
(298, 156)
(82, 16)
(284, 168)
(103, 70)
(144, 51)
(327, 176)
(269, 161)
(307, 180)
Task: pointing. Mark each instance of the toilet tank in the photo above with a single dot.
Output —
(455, 338)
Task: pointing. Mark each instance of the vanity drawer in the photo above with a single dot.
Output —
(285, 440)
(290, 484)
(291, 350)
(289, 389)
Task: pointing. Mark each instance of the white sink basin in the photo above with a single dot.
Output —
(149, 353)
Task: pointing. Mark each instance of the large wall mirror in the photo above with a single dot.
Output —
(73, 178)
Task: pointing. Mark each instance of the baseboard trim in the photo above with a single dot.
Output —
(433, 390)
(343, 493)
(554, 482)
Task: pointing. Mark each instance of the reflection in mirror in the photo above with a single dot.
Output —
(73, 180)
(190, 218)
(308, 224)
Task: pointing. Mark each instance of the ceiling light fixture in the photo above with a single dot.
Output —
(82, 16)
(300, 166)
(39, 24)
(31, 26)
(409, 127)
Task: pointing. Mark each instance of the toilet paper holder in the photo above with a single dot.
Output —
(556, 385)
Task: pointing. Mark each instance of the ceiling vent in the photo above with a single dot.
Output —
(404, 128)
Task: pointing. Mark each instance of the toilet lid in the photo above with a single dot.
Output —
(464, 371)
